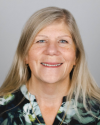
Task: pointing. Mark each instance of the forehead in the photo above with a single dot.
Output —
(55, 28)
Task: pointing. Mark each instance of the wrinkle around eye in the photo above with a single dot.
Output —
(40, 41)
(65, 41)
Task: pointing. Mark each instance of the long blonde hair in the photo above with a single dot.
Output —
(82, 83)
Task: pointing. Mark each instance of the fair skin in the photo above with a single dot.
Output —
(51, 59)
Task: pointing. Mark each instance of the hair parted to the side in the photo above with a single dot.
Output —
(82, 83)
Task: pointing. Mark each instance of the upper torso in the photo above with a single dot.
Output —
(15, 109)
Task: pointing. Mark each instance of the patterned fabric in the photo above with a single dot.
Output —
(15, 109)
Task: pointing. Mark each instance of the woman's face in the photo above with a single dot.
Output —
(52, 54)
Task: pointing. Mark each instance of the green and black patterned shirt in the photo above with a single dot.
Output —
(15, 109)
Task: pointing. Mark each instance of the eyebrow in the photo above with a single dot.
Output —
(58, 36)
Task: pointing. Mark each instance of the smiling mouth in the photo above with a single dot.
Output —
(52, 64)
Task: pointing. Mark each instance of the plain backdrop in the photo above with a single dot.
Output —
(14, 14)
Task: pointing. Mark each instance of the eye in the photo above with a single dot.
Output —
(63, 41)
(41, 41)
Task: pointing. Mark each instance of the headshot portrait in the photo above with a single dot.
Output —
(50, 63)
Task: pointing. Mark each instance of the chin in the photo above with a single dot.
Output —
(50, 80)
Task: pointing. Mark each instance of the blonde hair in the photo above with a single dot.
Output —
(82, 83)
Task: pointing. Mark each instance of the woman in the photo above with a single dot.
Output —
(49, 82)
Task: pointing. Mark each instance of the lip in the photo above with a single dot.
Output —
(51, 63)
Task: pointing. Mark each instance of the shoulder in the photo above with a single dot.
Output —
(9, 101)
(11, 107)
(94, 111)
(88, 116)
(6, 99)
(13, 100)
(95, 108)
(94, 104)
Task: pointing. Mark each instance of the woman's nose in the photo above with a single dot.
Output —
(52, 49)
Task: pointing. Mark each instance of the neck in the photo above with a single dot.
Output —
(49, 91)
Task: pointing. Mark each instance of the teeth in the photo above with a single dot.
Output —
(51, 65)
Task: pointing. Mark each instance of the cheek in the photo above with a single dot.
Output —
(69, 54)
(33, 53)
(32, 61)
(32, 58)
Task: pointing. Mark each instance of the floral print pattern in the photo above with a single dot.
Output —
(15, 111)
(6, 99)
